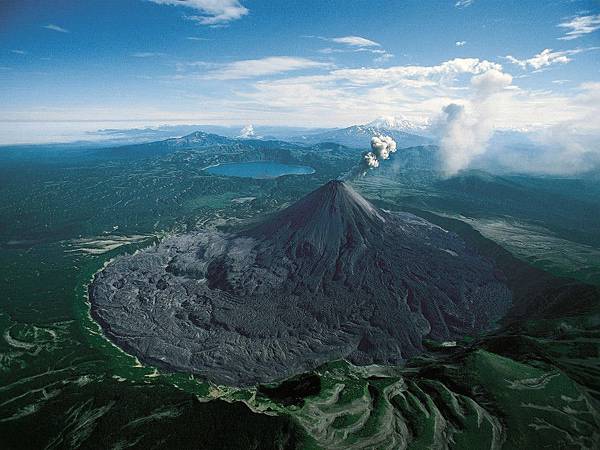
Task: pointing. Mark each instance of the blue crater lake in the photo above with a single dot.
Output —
(259, 169)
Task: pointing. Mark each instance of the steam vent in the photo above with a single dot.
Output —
(330, 277)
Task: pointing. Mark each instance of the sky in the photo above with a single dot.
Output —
(80, 65)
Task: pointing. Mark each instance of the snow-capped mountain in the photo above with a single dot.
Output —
(398, 124)
(359, 136)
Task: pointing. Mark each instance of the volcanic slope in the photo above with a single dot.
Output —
(330, 277)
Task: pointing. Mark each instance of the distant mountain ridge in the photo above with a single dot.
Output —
(402, 131)
(398, 124)
(207, 149)
(199, 140)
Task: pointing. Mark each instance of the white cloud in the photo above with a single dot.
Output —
(271, 65)
(355, 41)
(355, 44)
(579, 26)
(546, 58)
(490, 82)
(464, 3)
(53, 27)
(460, 43)
(341, 97)
(18, 52)
(385, 56)
(212, 12)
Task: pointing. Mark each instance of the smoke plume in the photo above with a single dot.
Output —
(381, 148)
(370, 160)
(466, 129)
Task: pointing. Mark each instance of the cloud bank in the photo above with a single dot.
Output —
(568, 147)
(355, 44)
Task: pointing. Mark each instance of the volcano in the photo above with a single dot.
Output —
(329, 277)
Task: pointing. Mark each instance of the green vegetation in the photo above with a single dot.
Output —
(530, 384)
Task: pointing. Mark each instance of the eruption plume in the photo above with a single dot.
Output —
(381, 148)
(370, 160)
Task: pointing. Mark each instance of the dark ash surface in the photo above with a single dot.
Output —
(329, 277)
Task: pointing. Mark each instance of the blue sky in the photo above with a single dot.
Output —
(311, 63)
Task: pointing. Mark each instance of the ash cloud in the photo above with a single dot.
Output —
(381, 148)
(370, 161)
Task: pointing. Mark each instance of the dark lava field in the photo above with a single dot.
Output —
(327, 278)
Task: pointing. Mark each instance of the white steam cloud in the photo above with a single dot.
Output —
(247, 132)
(465, 129)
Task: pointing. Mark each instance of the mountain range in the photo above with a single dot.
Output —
(408, 133)
(402, 131)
